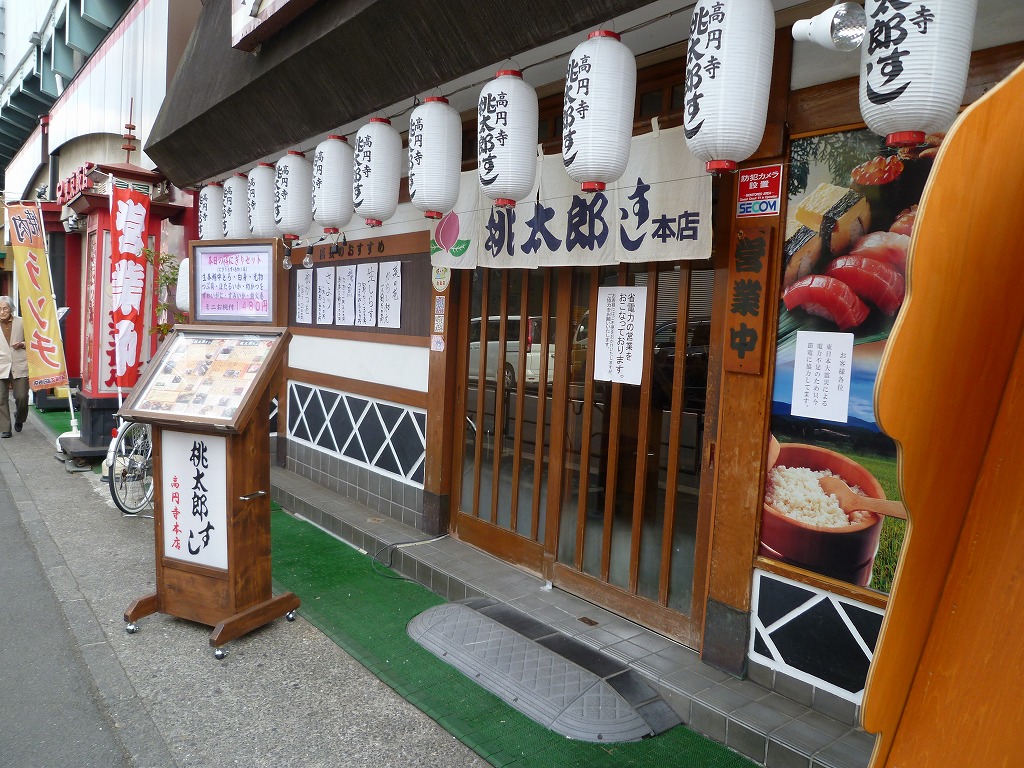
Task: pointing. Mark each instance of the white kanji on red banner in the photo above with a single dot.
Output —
(129, 210)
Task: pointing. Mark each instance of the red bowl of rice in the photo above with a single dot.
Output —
(793, 531)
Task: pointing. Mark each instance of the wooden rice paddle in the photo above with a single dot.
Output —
(851, 501)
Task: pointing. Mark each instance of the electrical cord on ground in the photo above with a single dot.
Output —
(375, 558)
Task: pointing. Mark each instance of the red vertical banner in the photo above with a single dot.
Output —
(129, 218)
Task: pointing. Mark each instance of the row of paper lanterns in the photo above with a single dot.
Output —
(363, 178)
(729, 66)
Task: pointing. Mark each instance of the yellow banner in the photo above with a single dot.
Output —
(46, 365)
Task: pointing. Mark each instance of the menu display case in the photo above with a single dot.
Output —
(206, 396)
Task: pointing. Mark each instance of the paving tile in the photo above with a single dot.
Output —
(656, 665)
(623, 629)
(850, 751)
(707, 721)
(597, 637)
(835, 707)
(794, 689)
(627, 651)
(686, 681)
(747, 741)
(807, 735)
(760, 717)
(782, 756)
(721, 698)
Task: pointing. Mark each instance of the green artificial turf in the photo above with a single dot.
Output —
(58, 422)
(351, 599)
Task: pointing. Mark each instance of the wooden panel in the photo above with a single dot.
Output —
(773, 142)
(359, 387)
(941, 691)
(249, 521)
(746, 307)
(835, 105)
(412, 250)
(441, 378)
(735, 457)
(489, 537)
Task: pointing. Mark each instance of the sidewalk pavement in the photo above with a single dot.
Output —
(285, 695)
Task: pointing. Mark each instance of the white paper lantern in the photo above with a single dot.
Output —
(182, 287)
(211, 211)
(376, 171)
(435, 156)
(597, 124)
(261, 201)
(913, 67)
(236, 207)
(332, 184)
(507, 138)
(728, 75)
(293, 194)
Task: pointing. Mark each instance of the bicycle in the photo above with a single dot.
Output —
(130, 464)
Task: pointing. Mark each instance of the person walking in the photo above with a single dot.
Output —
(13, 368)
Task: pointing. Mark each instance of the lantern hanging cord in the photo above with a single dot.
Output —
(549, 59)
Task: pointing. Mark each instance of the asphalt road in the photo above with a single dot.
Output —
(51, 712)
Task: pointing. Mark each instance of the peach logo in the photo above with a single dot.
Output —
(446, 236)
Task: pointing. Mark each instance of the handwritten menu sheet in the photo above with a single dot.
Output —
(304, 296)
(366, 294)
(345, 296)
(389, 300)
(325, 295)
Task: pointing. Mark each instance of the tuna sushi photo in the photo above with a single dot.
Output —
(872, 280)
(828, 298)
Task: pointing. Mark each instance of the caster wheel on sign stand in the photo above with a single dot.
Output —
(219, 653)
(290, 615)
(131, 628)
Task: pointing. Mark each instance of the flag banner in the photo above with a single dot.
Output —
(46, 365)
(659, 210)
(129, 218)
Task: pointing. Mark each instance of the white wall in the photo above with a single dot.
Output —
(388, 364)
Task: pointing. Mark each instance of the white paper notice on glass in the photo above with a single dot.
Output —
(366, 294)
(194, 496)
(324, 295)
(619, 337)
(345, 296)
(389, 304)
(822, 374)
(304, 296)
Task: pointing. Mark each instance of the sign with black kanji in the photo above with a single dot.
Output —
(745, 310)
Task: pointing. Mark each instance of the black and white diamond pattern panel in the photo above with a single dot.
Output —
(385, 437)
(815, 636)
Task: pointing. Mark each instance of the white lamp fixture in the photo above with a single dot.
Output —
(597, 126)
(293, 194)
(236, 207)
(839, 28)
(729, 67)
(913, 67)
(261, 201)
(332, 184)
(211, 211)
(435, 156)
(507, 138)
(376, 171)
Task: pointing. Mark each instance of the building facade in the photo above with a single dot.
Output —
(495, 402)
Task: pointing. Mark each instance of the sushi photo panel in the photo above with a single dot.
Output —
(851, 207)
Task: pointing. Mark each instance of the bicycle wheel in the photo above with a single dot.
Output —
(131, 472)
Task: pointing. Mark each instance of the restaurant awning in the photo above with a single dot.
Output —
(337, 62)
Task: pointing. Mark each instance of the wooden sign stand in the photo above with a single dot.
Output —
(212, 550)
